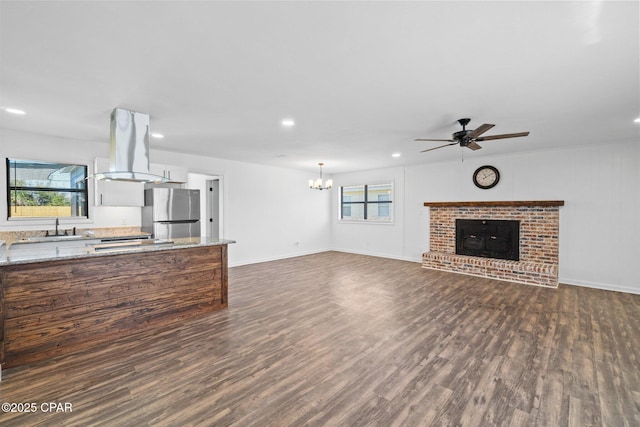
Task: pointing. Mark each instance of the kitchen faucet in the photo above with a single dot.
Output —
(46, 234)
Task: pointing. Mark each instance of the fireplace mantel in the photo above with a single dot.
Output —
(499, 203)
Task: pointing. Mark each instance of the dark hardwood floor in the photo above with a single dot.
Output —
(348, 340)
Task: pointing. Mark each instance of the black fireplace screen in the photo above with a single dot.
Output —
(488, 238)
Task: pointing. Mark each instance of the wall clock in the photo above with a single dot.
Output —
(486, 177)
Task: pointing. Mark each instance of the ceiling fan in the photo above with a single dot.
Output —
(470, 138)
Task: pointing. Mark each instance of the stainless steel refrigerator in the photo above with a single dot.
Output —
(171, 213)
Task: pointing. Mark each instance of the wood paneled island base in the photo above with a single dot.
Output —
(57, 307)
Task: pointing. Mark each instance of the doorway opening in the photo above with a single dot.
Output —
(211, 198)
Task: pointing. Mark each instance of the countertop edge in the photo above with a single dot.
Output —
(87, 253)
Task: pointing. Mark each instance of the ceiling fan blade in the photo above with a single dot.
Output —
(473, 146)
(435, 148)
(479, 131)
(436, 140)
(505, 135)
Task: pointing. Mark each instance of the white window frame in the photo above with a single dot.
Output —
(365, 204)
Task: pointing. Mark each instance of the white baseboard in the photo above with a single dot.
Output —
(276, 258)
(597, 285)
(379, 255)
(297, 254)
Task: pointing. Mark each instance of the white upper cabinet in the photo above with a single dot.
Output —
(116, 193)
(175, 174)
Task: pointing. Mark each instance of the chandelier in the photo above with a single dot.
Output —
(316, 184)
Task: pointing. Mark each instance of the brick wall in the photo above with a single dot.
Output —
(539, 233)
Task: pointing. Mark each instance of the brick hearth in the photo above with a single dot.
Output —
(539, 232)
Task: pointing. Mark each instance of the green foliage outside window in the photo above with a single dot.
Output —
(37, 198)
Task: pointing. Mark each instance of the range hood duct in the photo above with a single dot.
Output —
(129, 154)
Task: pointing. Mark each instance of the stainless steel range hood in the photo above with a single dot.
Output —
(129, 155)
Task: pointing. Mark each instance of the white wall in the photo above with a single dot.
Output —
(270, 212)
(599, 227)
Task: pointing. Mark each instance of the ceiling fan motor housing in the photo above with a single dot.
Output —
(461, 135)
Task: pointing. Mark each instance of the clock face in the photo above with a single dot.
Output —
(486, 177)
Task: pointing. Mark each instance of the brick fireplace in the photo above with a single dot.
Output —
(538, 241)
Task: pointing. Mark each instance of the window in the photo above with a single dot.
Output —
(368, 202)
(41, 189)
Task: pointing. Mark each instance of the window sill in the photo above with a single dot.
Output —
(47, 221)
(362, 221)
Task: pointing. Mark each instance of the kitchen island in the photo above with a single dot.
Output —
(54, 301)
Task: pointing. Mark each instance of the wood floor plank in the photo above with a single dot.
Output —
(349, 340)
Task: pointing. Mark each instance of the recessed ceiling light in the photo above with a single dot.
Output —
(14, 111)
(288, 122)
(637, 120)
(395, 155)
(157, 135)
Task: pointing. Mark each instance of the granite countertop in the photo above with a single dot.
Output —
(85, 248)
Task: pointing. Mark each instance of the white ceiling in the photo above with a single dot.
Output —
(361, 79)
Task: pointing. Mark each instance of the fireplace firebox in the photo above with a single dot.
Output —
(488, 238)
